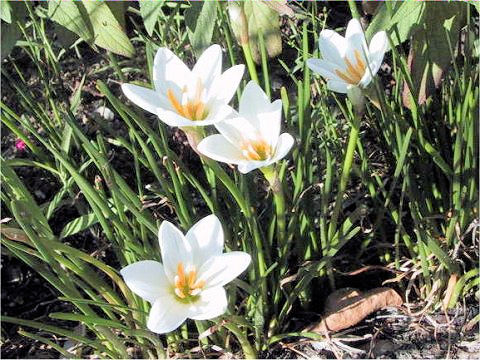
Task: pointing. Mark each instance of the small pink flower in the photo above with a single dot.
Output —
(20, 145)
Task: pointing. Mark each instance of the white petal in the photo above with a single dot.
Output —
(285, 143)
(169, 72)
(218, 111)
(209, 65)
(378, 46)
(212, 303)
(146, 279)
(145, 98)
(238, 129)
(224, 86)
(338, 86)
(206, 239)
(174, 248)
(332, 46)
(270, 123)
(166, 315)
(323, 68)
(220, 270)
(218, 148)
(171, 118)
(249, 165)
(366, 79)
(253, 101)
(356, 37)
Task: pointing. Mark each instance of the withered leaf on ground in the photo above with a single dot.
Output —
(347, 307)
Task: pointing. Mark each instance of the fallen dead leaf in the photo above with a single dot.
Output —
(449, 292)
(347, 307)
(14, 234)
(281, 7)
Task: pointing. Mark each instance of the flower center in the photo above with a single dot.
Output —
(191, 105)
(256, 150)
(187, 286)
(354, 72)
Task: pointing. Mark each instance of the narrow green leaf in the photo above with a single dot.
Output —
(79, 224)
(85, 319)
(150, 10)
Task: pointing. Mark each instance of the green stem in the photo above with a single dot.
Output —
(247, 51)
(261, 267)
(271, 174)
(347, 165)
(263, 54)
(248, 351)
(244, 207)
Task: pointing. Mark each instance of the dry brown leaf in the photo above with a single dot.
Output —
(347, 307)
(281, 7)
(14, 234)
(448, 294)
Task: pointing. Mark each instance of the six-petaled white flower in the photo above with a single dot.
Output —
(189, 282)
(252, 139)
(184, 97)
(348, 61)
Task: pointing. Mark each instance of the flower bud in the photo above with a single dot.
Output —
(238, 21)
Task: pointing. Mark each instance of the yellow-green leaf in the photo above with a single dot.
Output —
(263, 19)
(73, 16)
(108, 32)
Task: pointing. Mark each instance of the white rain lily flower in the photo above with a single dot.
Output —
(251, 140)
(189, 283)
(348, 61)
(184, 97)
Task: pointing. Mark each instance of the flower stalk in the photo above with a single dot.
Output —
(272, 176)
(248, 351)
(345, 176)
(252, 70)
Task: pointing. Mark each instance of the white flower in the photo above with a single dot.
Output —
(184, 97)
(345, 59)
(189, 282)
(252, 140)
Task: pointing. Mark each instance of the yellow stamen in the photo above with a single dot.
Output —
(180, 276)
(193, 109)
(344, 77)
(199, 284)
(179, 293)
(200, 110)
(257, 150)
(187, 284)
(354, 72)
(173, 100)
(191, 278)
(360, 64)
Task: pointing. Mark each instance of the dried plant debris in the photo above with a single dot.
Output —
(347, 307)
